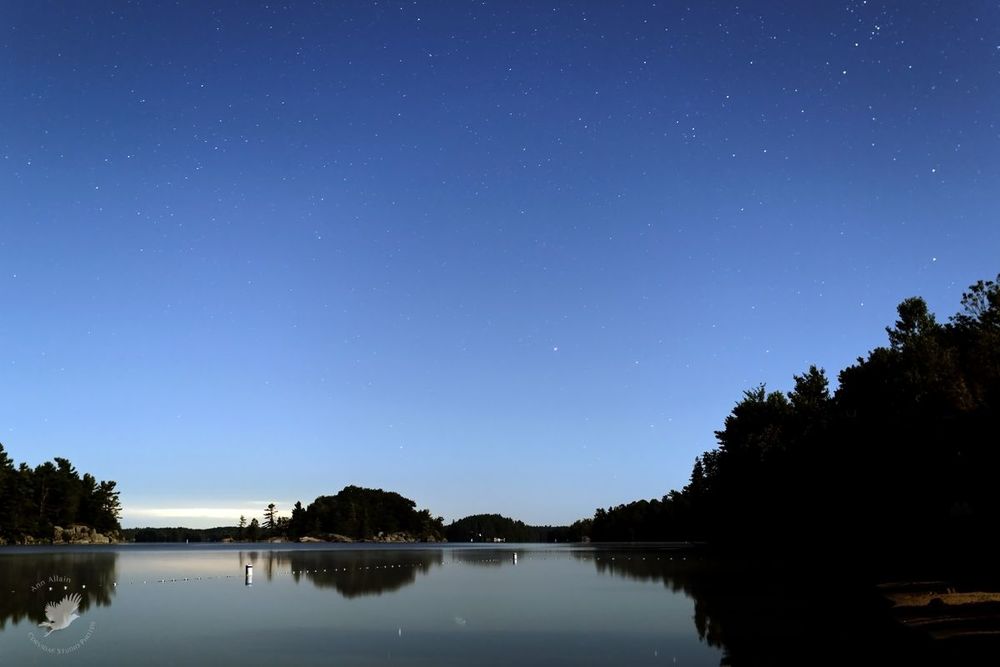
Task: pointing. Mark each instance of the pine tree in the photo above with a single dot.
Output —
(270, 517)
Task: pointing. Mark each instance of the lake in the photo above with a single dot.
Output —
(453, 604)
(354, 605)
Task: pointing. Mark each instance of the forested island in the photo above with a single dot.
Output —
(357, 514)
(353, 514)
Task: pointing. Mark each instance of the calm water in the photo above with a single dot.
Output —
(347, 605)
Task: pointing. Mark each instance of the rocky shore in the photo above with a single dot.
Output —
(386, 538)
(72, 534)
(79, 534)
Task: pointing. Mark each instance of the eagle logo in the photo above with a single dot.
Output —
(61, 614)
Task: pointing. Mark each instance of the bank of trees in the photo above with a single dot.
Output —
(34, 500)
(904, 453)
(491, 527)
(177, 534)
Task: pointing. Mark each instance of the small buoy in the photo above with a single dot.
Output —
(249, 575)
(515, 558)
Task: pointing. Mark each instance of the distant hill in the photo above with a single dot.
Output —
(495, 527)
(180, 534)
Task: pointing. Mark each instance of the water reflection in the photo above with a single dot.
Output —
(352, 573)
(681, 572)
(29, 581)
(769, 612)
(476, 607)
(485, 557)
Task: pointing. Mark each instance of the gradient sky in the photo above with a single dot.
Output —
(497, 256)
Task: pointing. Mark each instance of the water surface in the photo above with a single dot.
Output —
(353, 605)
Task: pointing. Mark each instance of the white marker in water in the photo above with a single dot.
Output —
(249, 579)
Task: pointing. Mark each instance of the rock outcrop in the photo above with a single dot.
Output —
(79, 534)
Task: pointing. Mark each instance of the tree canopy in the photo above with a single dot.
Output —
(35, 500)
(903, 454)
(491, 527)
(361, 513)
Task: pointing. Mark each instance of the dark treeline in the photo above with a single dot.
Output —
(491, 527)
(180, 534)
(332, 516)
(35, 500)
(364, 514)
(902, 456)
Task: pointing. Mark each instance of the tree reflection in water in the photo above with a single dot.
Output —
(25, 579)
(765, 613)
(352, 573)
(484, 557)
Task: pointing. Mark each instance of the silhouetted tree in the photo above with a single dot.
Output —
(253, 531)
(9, 496)
(297, 524)
(270, 518)
(915, 323)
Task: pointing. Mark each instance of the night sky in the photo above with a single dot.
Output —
(497, 256)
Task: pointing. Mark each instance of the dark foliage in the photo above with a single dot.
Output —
(364, 514)
(34, 500)
(492, 527)
(180, 534)
(902, 456)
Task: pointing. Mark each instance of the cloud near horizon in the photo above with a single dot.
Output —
(194, 517)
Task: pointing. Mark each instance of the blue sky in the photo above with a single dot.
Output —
(497, 256)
